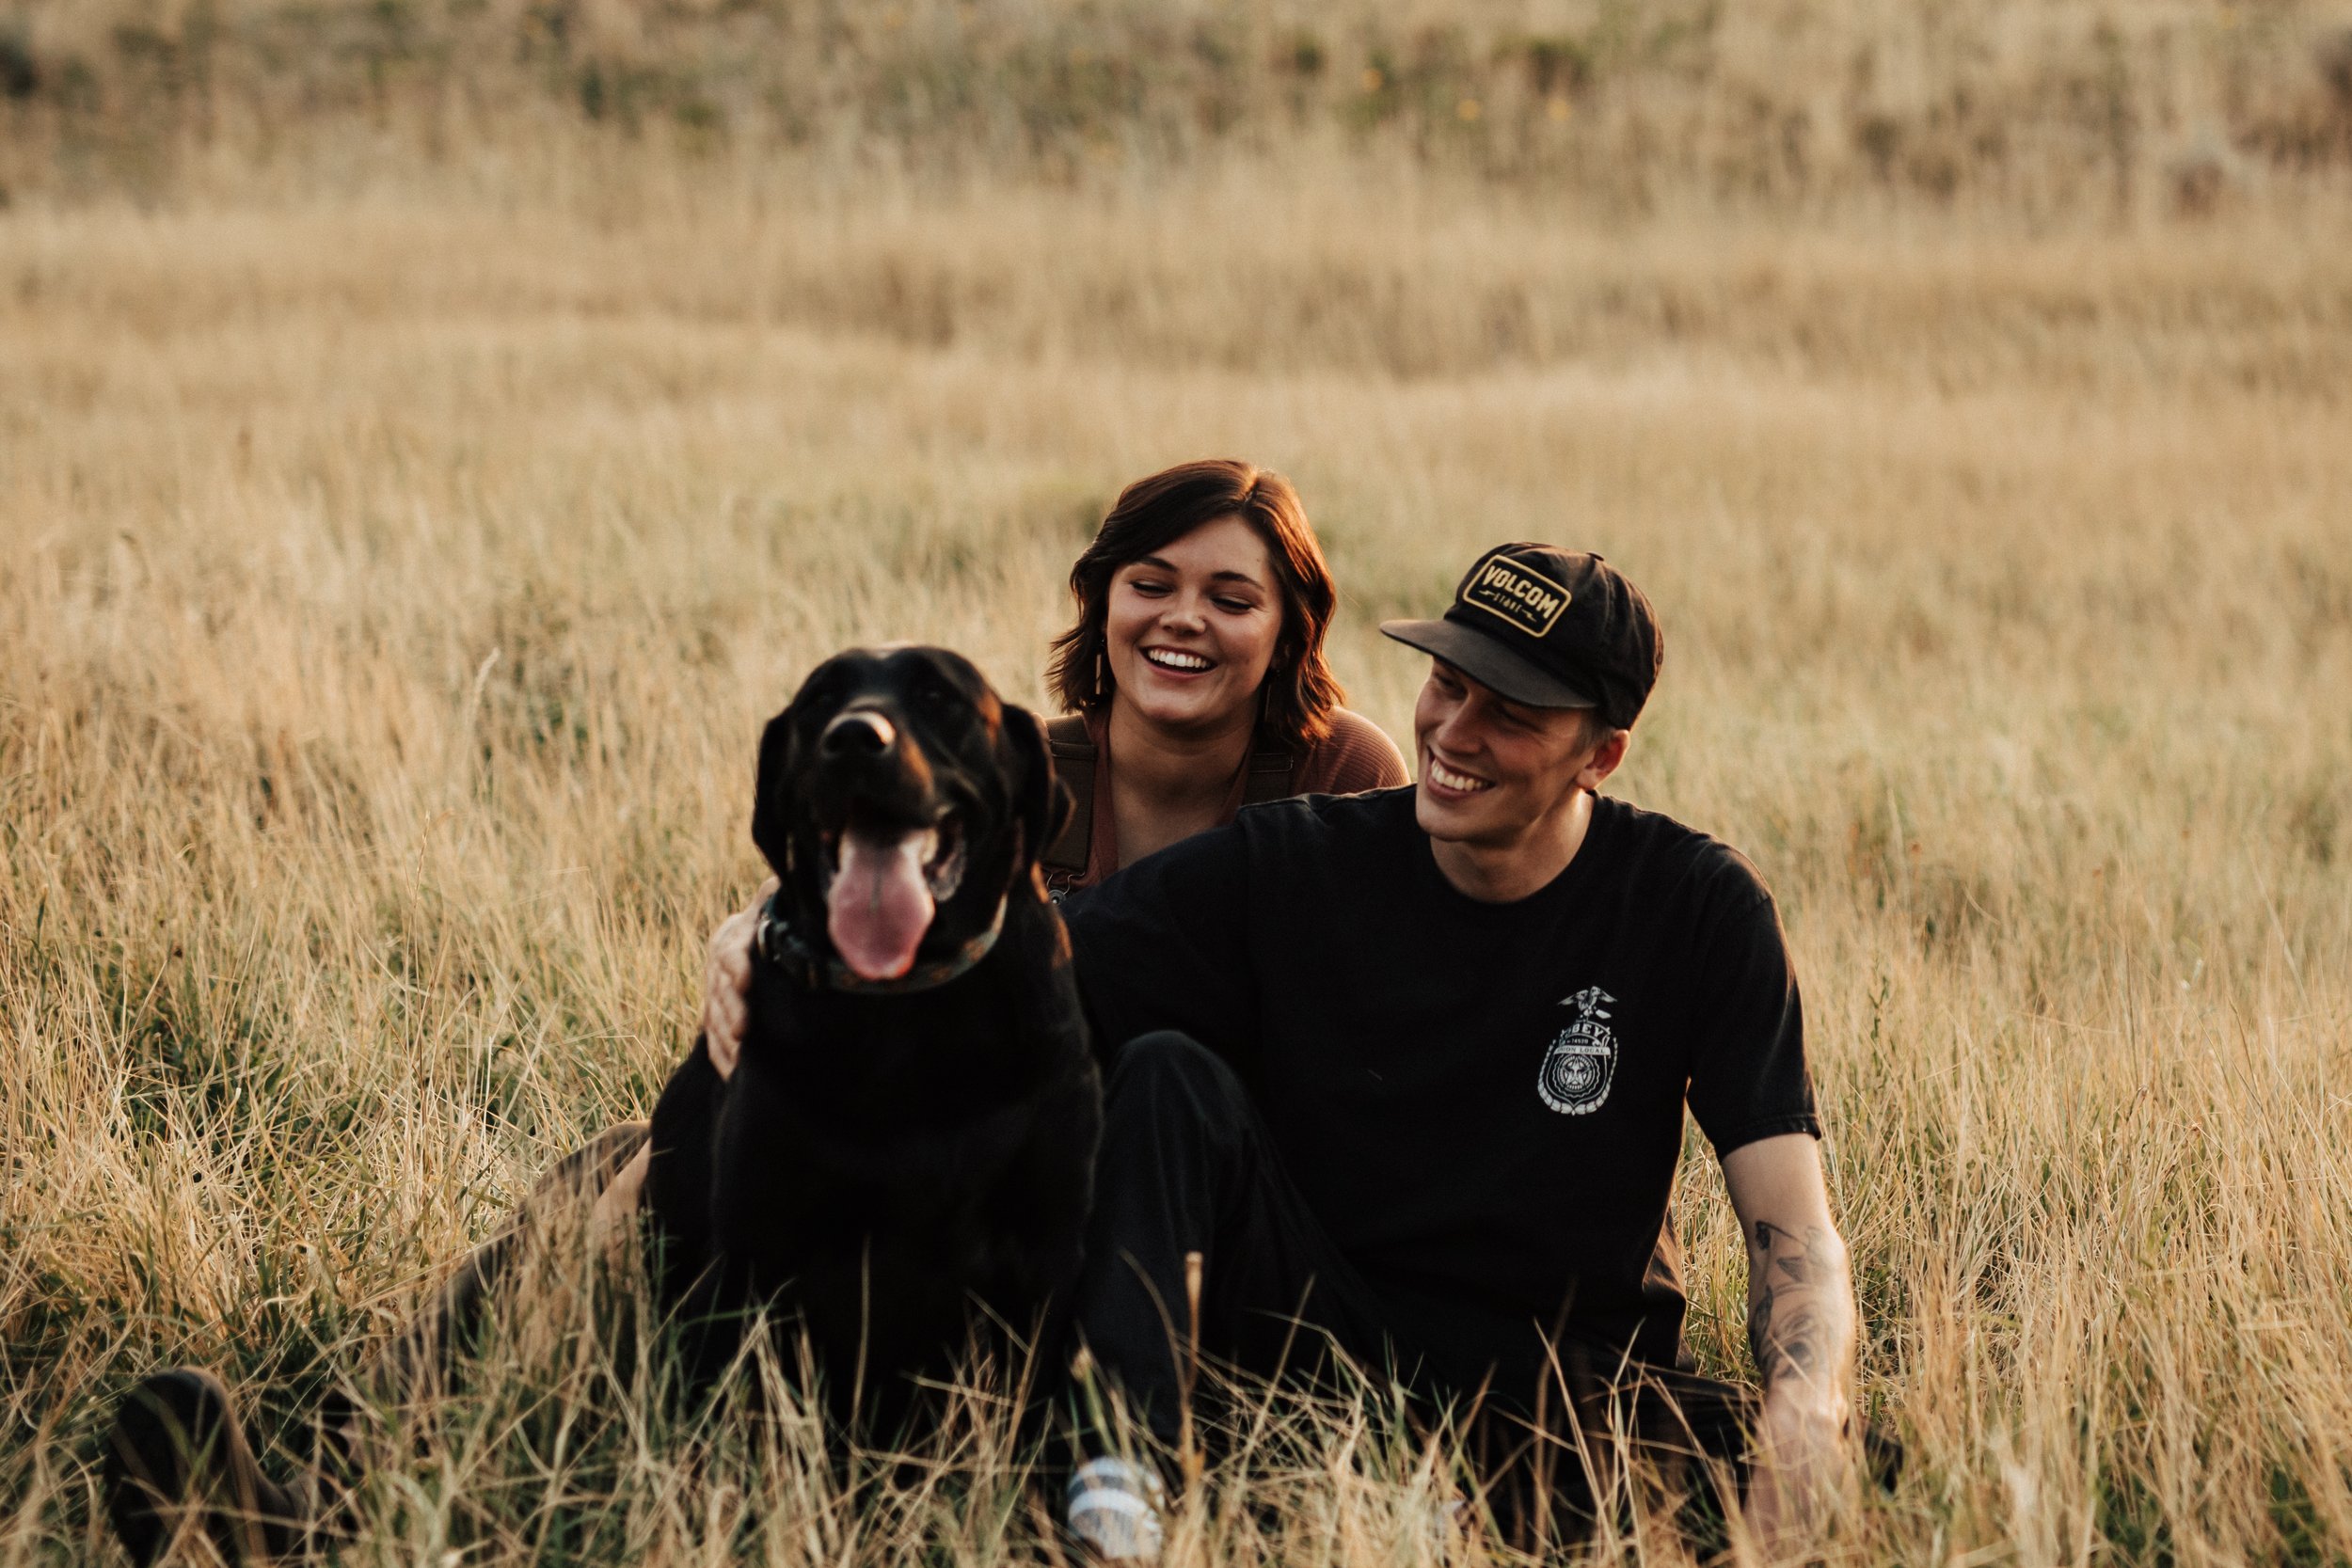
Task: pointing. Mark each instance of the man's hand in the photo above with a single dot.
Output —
(727, 978)
(1800, 1327)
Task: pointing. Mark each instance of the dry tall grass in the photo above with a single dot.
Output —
(2053, 109)
(393, 585)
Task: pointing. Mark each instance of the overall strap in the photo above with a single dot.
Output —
(1073, 763)
(1271, 771)
(1271, 774)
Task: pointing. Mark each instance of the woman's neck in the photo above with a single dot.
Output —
(1170, 784)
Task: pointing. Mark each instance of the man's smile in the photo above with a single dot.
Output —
(1453, 780)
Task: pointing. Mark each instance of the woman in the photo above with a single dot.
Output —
(1195, 674)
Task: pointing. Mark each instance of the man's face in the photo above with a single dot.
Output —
(1493, 772)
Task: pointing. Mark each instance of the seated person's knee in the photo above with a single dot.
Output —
(1168, 1068)
(1164, 1053)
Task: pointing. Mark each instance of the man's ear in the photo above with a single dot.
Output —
(772, 795)
(1603, 760)
(1041, 799)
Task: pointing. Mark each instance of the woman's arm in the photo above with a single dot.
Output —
(727, 980)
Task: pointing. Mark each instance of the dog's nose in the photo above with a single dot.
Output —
(860, 731)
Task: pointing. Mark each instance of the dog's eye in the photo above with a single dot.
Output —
(934, 693)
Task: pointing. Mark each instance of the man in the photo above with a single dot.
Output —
(1407, 1070)
(1409, 1067)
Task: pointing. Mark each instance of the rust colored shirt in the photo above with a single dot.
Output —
(1357, 755)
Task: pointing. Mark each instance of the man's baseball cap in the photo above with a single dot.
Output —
(1549, 629)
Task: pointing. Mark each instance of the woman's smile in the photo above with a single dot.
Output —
(1179, 662)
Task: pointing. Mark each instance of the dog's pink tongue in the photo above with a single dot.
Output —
(879, 905)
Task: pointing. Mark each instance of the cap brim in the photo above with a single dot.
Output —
(1489, 663)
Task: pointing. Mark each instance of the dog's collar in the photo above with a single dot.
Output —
(777, 942)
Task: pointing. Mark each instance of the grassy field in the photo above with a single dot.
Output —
(396, 567)
(2046, 109)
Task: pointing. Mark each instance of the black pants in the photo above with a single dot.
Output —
(1188, 1165)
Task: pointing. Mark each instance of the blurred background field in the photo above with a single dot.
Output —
(2043, 109)
(434, 436)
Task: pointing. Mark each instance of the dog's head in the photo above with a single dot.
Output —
(899, 800)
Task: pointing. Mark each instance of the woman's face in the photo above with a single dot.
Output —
(1192, 627)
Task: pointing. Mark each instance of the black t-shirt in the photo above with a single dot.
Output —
(1482, 1102)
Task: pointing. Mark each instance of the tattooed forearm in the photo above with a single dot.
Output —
(1787, 1341)
(1800, 1313)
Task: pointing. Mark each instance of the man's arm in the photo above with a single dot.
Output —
(1801, 1326)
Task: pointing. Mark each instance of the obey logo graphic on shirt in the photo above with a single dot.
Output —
(1582, 1063)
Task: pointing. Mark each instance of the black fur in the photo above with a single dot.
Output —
(894, 1174)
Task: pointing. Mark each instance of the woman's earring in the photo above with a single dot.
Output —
(1099, 686)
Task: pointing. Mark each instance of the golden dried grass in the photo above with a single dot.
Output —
(393, 586)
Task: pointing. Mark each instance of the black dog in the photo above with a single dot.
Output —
(897, 1162)
(909, 1131)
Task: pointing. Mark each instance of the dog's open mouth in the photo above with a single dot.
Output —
(884, 883)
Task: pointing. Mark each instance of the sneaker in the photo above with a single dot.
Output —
(1114, 1510)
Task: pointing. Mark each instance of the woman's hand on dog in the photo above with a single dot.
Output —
(727, 980)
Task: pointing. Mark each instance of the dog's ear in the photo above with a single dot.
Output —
(1040, 799)
(772, 795)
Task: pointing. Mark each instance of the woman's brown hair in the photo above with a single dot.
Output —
(1155, 511)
